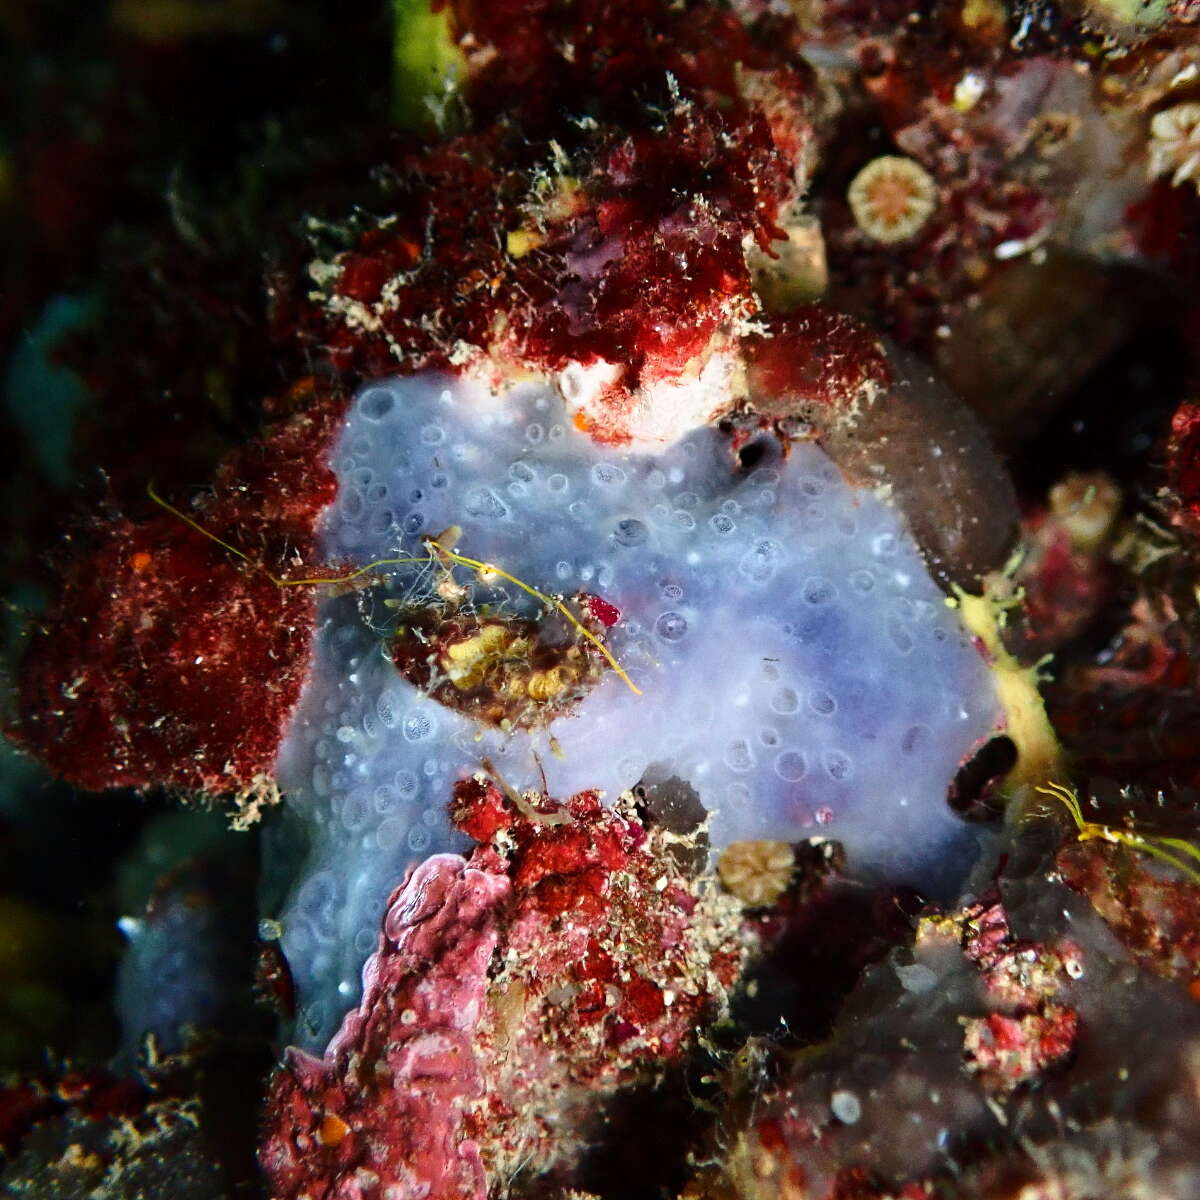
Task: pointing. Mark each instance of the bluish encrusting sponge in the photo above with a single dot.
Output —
(798, 666)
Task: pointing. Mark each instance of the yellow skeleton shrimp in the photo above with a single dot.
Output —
(1175, 852)
(484, 570)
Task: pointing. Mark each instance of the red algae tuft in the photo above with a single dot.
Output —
(647, 160)
(165, 660)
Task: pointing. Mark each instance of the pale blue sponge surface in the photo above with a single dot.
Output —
(799, 667)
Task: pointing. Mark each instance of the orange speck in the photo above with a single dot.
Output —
(140, 561)
(581, 422)
(302, 388)
(1194, 989)
(333, 1130)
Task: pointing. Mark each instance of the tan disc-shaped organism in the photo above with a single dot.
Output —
(757, 872)
(892, 197)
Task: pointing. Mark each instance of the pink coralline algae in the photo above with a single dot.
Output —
(1007, 1051)
(512, 996)
(1027, 1032)
(410, 1043)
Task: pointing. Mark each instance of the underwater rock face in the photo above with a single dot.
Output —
(1016, 1034)
(798, 667)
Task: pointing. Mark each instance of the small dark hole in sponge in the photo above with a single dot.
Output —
(674, 805)
(972, 794)
(752, 453)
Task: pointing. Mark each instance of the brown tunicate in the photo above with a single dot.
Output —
(1039, 328)
(946, 478)
(889, 423)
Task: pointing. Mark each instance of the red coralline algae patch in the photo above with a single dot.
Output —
(599, 610)
(1028, 1032)
(621, 156)
(1009, 1051)
(513, 997)
(1016, 973)
(168, 661)
(385, 1107)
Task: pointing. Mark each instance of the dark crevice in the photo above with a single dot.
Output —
(752, 453)
(972, 792)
